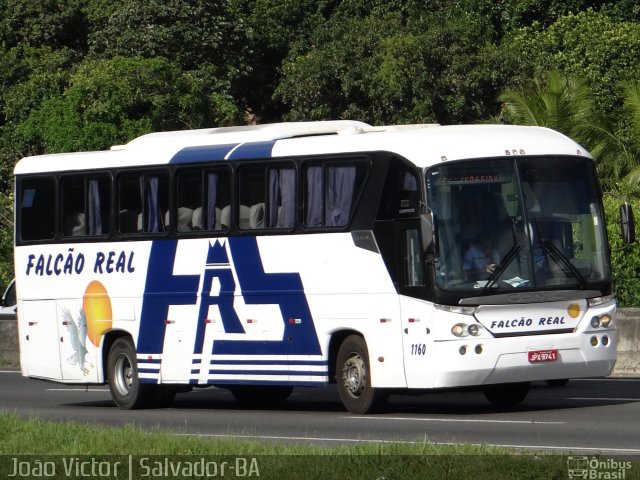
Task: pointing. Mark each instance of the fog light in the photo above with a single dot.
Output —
(605, 320)
(463, 350)
(474, 330)
(594, 341)
(595, 322)
(605, 340)
(459, 330)
(478, 349)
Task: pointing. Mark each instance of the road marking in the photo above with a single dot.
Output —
(606, 399)
(9, 371)
(575, 449)
(77, 389)
(454, 420)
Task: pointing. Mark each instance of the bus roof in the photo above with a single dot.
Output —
(422, 144)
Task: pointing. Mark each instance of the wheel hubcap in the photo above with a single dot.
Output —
(354, 375)
(123, 374)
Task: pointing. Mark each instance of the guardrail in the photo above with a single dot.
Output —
(628, 322)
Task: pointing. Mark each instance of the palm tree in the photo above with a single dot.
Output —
(567, 105)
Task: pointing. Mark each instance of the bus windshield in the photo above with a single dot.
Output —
(518, 223)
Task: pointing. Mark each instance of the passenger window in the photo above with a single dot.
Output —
(202, 197)
(400, 195)
(37, 208)
(332, 190)
(143, 200)
(267, 197)
(85, 205)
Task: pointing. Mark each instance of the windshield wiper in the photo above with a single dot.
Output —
(561, 258)
(506, 261)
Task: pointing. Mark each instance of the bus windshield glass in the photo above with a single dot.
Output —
(518, 223)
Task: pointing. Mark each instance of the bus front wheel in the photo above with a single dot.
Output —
(353, 378)
(127, 391)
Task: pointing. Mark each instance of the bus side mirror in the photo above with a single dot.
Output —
(428, 231)
(627, 224)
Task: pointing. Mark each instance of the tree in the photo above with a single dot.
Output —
(45, 23)
(112, 101)
(589, 45)
(566, 104)
(391, 67)
(189, 33)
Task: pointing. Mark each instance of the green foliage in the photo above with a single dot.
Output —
(589, 45)
(112, 101)
(190, 33)
(388, 68)
(625, 259)
(51, 23)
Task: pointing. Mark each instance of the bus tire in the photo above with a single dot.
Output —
(261, 394)
(507, 394)
(127, 392)
(353, 377)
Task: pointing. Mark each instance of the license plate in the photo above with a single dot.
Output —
(537, 356)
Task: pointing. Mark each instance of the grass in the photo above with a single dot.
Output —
(147, 454)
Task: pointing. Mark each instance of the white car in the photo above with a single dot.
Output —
(8, 309)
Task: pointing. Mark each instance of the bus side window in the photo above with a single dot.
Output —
(143, 200)
(73, 223)
(267, 197)
(331, 191)
(201, 197)
(85, 205)
(400, 194)
(37, 208)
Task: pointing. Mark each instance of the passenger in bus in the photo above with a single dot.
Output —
(480, 259)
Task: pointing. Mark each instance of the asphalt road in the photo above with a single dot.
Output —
(586, 416)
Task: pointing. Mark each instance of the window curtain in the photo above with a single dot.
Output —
(282, 197)
(315, 197)
(152, 206)
(95, 209)
(340, 183)
(212, 193)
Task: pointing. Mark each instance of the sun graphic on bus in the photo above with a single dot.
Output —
(97, 308)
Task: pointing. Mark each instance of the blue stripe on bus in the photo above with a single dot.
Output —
(203, 153)
(319, 363)
(252, 150)
(163, 289)
(292, 383)
(268, 372)
(231, 151)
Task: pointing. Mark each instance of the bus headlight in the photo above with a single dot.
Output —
(602, 321)
(459, 330)
(462, 330)
(474, 330)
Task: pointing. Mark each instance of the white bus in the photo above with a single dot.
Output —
(261, 258)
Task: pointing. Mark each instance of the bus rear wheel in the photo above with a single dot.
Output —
(353, 377)
(507, 394)
(127, 391)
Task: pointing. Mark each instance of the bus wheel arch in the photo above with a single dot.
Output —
(353, 377)
(127, 391)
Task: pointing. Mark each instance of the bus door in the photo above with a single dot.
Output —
(417, 317)
(39, 339)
